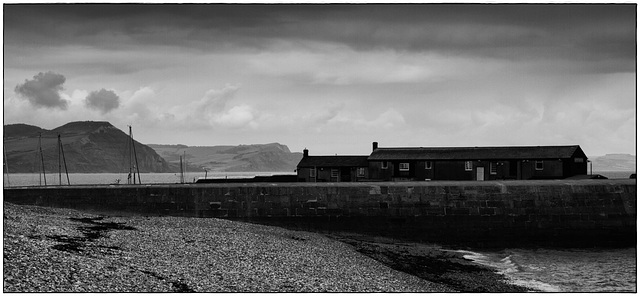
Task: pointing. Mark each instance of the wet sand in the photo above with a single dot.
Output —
(64, 250)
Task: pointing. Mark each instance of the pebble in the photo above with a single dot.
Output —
(181, 254)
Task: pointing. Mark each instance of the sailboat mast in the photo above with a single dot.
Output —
(64, 160)
(181, 171)
(6, 163)
(135, 157)
(59, 162)
(130, 151)
(44, 174)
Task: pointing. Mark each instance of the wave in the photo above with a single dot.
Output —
(564, 270)
(504, 264)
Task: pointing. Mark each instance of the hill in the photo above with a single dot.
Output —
(272, 157)
(614, 162)
(21, 130)
(89, 147)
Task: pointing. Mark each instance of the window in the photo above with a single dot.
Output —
(335, 173)
(404, 166)
(468, 165)
(361, 172)
(385, 165)
(312, 173)
(578, 159)
(493, 168)
(539, 165)
(428, 165)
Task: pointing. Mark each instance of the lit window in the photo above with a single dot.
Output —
(385, 165)
(334, 173)
(312, 173)
(428, 165)
(404, 166)
(361, 172)
(539, 165)
(493, 168)
(468, 166)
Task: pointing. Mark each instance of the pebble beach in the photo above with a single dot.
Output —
(65, 250)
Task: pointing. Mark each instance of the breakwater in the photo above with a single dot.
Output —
(491, 213)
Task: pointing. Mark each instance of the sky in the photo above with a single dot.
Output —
(329, 78)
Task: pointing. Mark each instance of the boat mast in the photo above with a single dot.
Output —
(6, 163)
(181, 171)
(61, 153)
(184, 155)
(135, 158)
(59, 162)
(129, 155)
(42, 159)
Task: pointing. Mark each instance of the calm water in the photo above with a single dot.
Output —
(565, 270)
(615, 174)
(114, 178)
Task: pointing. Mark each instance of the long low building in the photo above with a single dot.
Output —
(448, 163)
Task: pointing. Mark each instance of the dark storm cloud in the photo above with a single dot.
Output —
(103, 100)
(517, 31)
(44, 90)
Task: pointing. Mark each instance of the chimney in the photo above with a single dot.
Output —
(375, 146)
(305, 152)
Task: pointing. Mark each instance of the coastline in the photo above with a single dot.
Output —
(432, 263)
(65, 250)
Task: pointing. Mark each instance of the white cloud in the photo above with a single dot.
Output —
(213, 102)
(139, 108)
(236, 117)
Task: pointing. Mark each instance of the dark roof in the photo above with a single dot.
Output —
(467, 153)
(334, 161)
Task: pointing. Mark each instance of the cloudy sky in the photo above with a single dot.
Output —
(331, 78)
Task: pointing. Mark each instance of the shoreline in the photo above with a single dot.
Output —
(432, 263)
(66, 250)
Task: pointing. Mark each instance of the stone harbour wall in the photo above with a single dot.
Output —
(558, 212)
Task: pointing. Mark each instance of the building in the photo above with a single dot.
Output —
(332, 168)
(476, 163)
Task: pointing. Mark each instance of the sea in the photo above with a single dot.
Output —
(605, 270)
(14, 180)
(598, 270)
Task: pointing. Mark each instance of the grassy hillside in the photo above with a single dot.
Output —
(614, 162)
(272, 157)
(89, 147)
(21, 130)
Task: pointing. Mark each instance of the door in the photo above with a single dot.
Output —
(345, 174)
(480, 173)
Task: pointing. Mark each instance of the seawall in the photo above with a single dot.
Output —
(580, 213)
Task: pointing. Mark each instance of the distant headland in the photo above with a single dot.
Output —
(100, 147)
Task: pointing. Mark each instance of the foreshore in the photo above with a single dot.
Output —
(65, 250)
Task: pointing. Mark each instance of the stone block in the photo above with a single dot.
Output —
(582, 224)
(472, 203)
(484, 211)
(458, 211)
(495, 204)
(437, 211)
